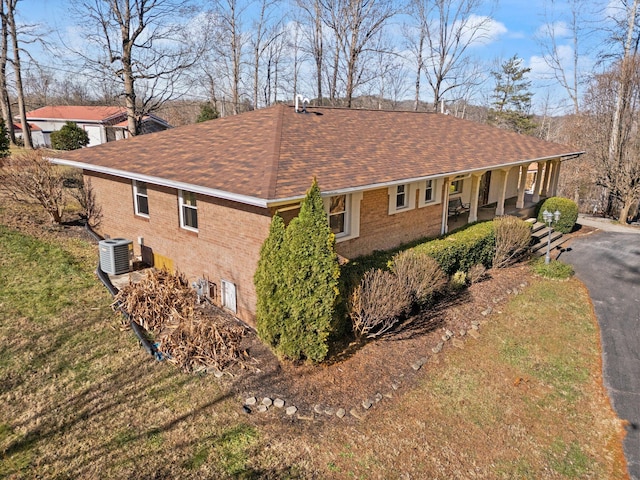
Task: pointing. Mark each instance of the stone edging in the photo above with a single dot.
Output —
(319, 411)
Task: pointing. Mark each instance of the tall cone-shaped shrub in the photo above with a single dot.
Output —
(298, 321)
(270, 285)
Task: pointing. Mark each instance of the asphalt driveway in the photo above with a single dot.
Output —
(608, 262)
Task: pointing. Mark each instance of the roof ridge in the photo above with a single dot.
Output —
(271, 167)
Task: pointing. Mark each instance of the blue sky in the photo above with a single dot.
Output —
(515, 26)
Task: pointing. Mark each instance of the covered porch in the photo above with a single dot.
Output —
(506, 191)
(487, 212)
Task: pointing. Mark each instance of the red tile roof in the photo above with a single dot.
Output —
(274, 153)
(75, 113)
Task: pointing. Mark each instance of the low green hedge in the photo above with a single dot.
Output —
(568, 213)
(463, 249)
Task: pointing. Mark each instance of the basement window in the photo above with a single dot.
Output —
(188, 211)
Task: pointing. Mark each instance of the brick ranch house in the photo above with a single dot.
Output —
(200, 198)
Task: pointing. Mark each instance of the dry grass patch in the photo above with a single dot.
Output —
(523, 401)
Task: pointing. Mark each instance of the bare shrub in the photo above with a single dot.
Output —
(513, 237)
(420, 273)
(85, 195)
(377, 303)
(29, 177)
(165, 305)
(477, 273)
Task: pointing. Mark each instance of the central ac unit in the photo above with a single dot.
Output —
(115, 255)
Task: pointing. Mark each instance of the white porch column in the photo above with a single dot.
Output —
(547, 178)
(553, 188)
(444, 228)
(538, 183)
(504, 174)
(475, 191)
(522, 185)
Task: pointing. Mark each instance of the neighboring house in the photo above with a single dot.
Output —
(199, 198)
(103, 124)
(37, 136)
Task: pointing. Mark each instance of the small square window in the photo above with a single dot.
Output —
(455, 187)
(188, 211)
(428, 191)
(401, 196)
(141, 199)
(337, 214)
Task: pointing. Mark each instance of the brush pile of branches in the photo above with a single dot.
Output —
(165, 305)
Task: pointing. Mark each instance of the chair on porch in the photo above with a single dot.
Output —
(456, 207)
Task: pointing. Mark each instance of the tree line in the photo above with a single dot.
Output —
(231, 56)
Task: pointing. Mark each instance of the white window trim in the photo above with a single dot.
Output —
(436, 185)
(181, 206)
(410, 197)
(351, 218)
(135, 199)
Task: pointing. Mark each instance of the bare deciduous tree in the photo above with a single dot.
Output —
(439, 40)
(566, 71)
(143, 45)
(9, 20)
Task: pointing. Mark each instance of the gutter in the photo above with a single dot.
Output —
(212, 192)
(267, 203)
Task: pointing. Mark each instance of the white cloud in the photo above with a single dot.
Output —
(484, 30)
(557, 29)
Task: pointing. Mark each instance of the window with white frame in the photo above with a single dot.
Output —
(338, 215)
(428, 191)
(140, 199)
(401, 196)
(455, 187)
(188, 211)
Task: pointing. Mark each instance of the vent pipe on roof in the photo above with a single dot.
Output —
(305, 102)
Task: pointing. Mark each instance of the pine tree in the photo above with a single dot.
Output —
(207, 112)
(512, 98)
(69, 137)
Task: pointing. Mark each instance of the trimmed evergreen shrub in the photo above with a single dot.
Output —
(462, 249)
(568, 213)
(269, 282)
(300, 272)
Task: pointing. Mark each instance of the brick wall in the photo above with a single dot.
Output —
(226, 246)
(381, 231)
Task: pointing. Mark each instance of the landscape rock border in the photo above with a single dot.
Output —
(321, 412)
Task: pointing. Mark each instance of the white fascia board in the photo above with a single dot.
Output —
(212, 192)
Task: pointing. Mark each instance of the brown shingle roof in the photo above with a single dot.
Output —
(274, 153)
